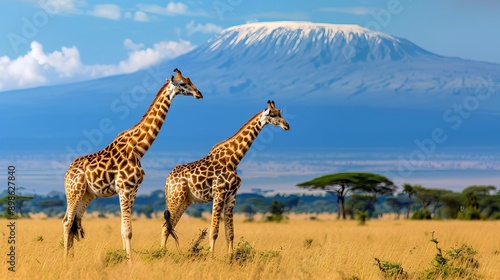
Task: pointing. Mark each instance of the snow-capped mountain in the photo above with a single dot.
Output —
(313, 62)
(282, 41)
(298, 64)
(332, 62)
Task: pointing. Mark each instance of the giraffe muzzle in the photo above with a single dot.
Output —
(198, 95)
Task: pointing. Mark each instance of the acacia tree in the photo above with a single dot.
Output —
(452, 202)
(410, 191)
(341, 184)
(395, 204)
(428, 197)
(18, 200)
(476, 200)
(359, 202)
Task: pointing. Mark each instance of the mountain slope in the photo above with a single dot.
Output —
(310, 69)
(301, 65)
(310, 62)
(330, 62)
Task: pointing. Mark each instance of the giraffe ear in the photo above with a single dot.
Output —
(172, 78)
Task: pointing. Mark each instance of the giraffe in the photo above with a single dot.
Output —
(116, 169)
(214, 178)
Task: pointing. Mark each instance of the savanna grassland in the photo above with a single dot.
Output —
(298, 248)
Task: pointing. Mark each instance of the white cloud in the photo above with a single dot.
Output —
(171, 9)
(129, 44)
(141, 16)
(38, 68)
(142, 58)
(108, 11)
(193, 27)
(176, 8)
(141, 13)
(61, 6)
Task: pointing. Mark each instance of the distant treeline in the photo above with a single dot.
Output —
(475, 202)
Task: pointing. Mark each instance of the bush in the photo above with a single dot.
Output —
(274, 218)
(458, 263)
(196, 250)
(308, 242)
(243, 252)
(423, 214)
(470, 213)
(361, 216)
(115, 257)
(391, 270)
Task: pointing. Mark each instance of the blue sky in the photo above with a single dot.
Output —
(47, 42)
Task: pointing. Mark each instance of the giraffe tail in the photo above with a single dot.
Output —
(170, 228)
(77, 229)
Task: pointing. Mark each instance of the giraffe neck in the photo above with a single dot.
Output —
(145, 131)
(235, 147)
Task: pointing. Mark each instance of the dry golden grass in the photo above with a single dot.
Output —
(339, 249)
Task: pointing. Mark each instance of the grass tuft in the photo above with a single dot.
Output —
(457, 263)
(197, 251)
(391, 270)
(115, 257)
(308, 242)
(243, 252)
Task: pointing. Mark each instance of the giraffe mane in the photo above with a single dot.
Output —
(220, 144)
(158, 94)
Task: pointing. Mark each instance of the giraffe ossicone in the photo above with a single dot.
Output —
(214, 178)
(116, 169)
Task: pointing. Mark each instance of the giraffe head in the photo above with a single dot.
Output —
(183, 85)
(273, 116)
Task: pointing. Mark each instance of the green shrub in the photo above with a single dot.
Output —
(470, 213)
(457, 263)
(115, 257)
(243, 252)
(391, 270)
(361, 216)
(196, 250)
(423, 214)
(275, 218)
(308, 242)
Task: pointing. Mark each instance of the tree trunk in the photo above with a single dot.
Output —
(409, 208)
(342, 199)
(339, 207)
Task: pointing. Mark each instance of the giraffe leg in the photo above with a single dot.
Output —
(228, 222)
(87, 198)
(218, 205)
(126, 224)
(229, 212)
(176, 206)
(75, 190)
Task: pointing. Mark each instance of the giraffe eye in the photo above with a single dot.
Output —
(272, 115)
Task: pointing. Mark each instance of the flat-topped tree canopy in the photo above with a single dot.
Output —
(345, 182)
(362, 181)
